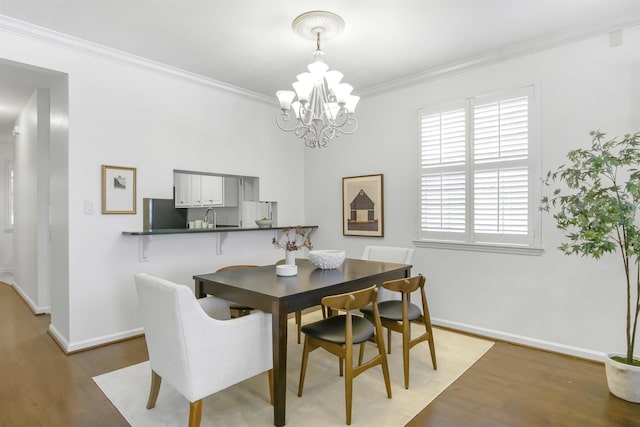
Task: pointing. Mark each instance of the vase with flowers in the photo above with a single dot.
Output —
(292, 239)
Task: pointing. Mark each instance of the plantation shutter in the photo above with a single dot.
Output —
(443, 138)
(501, 175)
(500, 143)
(476, 183)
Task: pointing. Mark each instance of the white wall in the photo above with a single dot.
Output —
(31, 202)
(6, 237)
(126, 115)
(120, 114)
(551, 301)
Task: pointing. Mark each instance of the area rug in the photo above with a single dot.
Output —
(322, 402)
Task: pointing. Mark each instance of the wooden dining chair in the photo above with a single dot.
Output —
(398, 315)
(237, 310)
(298, 314)
(393, 254)
(338, 334)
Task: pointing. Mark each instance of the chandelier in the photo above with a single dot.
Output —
(321, 108)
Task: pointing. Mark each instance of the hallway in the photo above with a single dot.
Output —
(40, 385)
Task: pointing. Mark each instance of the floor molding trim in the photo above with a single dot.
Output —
(78, 346)
(32, 305)
(522, 340)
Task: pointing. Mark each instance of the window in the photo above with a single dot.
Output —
(9, 193)
(478, 172)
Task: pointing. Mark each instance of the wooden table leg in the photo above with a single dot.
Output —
(198, 290)
(279, 335)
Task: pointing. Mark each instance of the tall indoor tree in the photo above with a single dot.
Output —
(597, 208)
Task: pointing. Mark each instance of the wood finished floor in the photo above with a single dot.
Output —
(509, 386)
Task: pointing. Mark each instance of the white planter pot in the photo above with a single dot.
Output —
(623, 379)
(290, 257)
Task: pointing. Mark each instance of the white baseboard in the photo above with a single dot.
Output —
(62, 342)
(35, 308)
(93, 342)
(518, 339)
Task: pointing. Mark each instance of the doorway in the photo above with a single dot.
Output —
(39, 151)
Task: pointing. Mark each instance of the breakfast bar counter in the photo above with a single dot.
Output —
(218, 229)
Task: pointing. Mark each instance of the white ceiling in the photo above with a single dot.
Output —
(250, 43)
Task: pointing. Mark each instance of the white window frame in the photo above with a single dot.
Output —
(528, 244)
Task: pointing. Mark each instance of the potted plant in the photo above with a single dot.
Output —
(291, 240)
(597, 208)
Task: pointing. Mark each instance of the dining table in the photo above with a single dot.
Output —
(261, 288)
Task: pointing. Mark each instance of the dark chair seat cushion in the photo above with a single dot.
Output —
(393, 310)
(333, 329)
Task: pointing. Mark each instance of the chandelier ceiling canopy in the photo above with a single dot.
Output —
(320, 108)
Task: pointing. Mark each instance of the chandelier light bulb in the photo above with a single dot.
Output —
(317, 70)
(296, 108)
(323, 107)
(285, 97)
(303, 90)
(333, 78)
(342, 91)
(351, 103)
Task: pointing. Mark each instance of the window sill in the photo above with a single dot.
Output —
(480, 247)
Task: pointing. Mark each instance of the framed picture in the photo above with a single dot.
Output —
(118, 190)
(362, 206)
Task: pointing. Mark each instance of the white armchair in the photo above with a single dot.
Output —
(197, 354)
(388, 254)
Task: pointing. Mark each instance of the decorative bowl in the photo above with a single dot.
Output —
(286, 270)
(264, 223)
(327, 259)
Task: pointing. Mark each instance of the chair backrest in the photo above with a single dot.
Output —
(168, 310)
(389, 254)
(282, 261)
(352, 300)
(406, 287)
(235, 267)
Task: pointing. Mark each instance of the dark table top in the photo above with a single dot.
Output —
(310, 281)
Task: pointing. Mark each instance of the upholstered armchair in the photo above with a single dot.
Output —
(195, 346)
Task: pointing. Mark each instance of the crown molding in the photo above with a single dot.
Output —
(25, 29)
(66, 41)
(499, 55)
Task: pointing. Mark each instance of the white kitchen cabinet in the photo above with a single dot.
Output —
(194, 190)
(211, 190)
(182, 185)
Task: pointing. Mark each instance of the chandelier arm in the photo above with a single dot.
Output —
(284, 118)
(350, 126)
(303, 112)
(342, 117)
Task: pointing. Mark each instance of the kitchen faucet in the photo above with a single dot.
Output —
(206, 217)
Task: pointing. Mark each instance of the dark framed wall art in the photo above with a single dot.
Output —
(118, 190)
(363, 206)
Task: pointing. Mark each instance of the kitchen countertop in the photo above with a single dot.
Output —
(219, 229)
